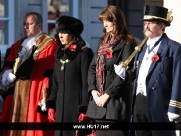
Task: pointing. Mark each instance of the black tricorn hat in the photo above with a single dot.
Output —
(156, 13)
(70, 25)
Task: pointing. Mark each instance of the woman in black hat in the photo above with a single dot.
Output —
(110, 100)
(69, 80)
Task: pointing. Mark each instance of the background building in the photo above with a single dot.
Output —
(12, 12)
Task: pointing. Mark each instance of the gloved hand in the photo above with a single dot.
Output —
(120, 71)
(11, 77)
(82, 117)
(172, 116)
(51, 115)
(8, 77)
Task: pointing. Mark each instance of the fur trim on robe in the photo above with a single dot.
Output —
(23, 87)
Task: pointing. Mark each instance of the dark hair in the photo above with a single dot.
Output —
(38, 17)
(114, 14)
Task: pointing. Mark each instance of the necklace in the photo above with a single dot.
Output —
(63, 63)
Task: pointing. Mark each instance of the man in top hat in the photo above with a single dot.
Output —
(156, 74)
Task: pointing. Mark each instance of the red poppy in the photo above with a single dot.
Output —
(108, 53)
(73, 47)
(155, 58)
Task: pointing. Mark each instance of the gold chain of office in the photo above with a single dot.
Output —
(67, 60)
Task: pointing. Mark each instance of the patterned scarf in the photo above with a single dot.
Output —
(100, 66)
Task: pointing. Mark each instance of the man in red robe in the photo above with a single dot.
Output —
(26, 75)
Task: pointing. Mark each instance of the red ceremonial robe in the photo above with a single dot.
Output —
(29, 92)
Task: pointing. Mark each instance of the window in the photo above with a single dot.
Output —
(6, 25)
(56, 8)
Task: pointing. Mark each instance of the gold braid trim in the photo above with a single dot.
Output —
(16, 65)
(175, 104)
(153, 17)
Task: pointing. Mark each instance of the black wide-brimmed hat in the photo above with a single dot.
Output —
(156, 13)
(70, 25)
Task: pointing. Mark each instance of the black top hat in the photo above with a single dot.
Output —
(155, 13)
(70, 25)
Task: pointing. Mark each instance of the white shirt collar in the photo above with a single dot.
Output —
(153, 41)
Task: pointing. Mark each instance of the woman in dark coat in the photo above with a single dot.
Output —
(110, 100)
(69, 80)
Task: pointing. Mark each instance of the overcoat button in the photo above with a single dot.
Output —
(153, 88)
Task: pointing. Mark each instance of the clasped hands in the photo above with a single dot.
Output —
(99, 99)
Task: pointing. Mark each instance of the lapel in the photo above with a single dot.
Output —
(161, 51)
